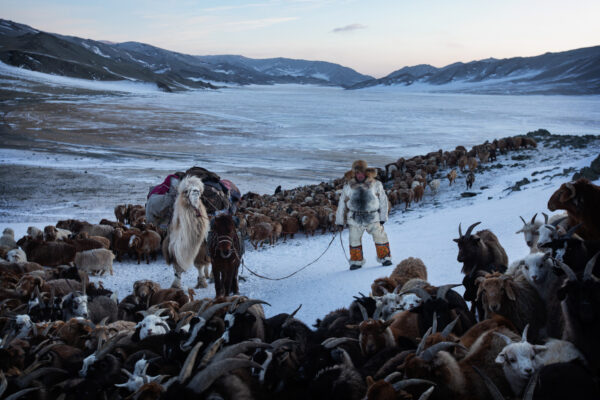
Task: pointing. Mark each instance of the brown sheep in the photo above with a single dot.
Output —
(145, 245)
(50, 254)
(382, 285)
(407, 269)
(144, 289)
(136, 212)
(260, 233)
(61, 287)
(52, 233)
(406, 196)
(290, 226)
(277, 228)
(484, 156)
(310, 223)
(121, 213)
(528, 142)
(84, 235)
(462, 163)
(121, 242)
(419, 191)
(472, 164)
(452, 176)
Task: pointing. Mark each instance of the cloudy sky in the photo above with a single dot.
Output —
(374, 37)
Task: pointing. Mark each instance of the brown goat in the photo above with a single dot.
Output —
(310, 223)
(472, 161)
(580, 199)
(61, 287)
(382, 285)
(121, 213)
(452, 176)
(145, 245)
(462, 163)
(419, 191)
(50, 254)
(260, 233)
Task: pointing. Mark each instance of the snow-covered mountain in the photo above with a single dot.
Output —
(569, 72)
(26, 47)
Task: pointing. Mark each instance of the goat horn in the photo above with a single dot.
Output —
(21, 393)
(530, 388)
(363, 311)
(377, 313)
(410, 382)
(205, 378)
(35, 366)
(558, 221)
(242, 347)
(571, 231)
(426, 394)
(110, 344)
(470, 229)
(103, 322)
(188, 365)
(570, 274)
(421, 345)
(504, 337)
(545, 217)
(589, 268)
(129, 375)
(450, 327)
(491, 386)
(210, 311)
(246, 305)
(25, 380)
(3, 383)
(524, 337)
(443, 290)
(422, 293)
(392, 376)
(434, 324)
(533, 219)
(433, 350)
(523, 220)
(282, 342)
(211, 350)
(334, 342)
(460, 235)
(183, 321)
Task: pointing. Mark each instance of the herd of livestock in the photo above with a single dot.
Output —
(525, 330)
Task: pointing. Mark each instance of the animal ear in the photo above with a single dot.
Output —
(509, 292)
(456, 240)
(568, 193)
(500, 359)
(519, 231)
(538, 349)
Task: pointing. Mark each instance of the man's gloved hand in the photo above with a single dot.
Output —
(382, 222)
(340, 227)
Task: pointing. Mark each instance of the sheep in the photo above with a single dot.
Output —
(121, 242)
(121, 213)
(407, 269)
(479, 252)
(27, 284)
(520, 360)
(310, 223)
(419, 190)
(35, 233)
(531, 232)
(8, 239)
(579, 199)
(145, 245)
(277, 229)
(260, 233)
(96, 261)
(16, 256)
(472, 164)
(451, 176)
(81, 236)
(513, 298)
(462, 163)
(434, 185)
(406, 196)
(52, 233)
(49, 254)
(470, 180)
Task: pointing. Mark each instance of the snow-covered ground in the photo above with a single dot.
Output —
(425, 231)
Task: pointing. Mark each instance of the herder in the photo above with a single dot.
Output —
(367, 205)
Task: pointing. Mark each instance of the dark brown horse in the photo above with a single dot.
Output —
(225, 254)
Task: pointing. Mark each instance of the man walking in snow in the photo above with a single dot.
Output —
(367, 205)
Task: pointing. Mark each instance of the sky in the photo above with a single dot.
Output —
(374, 37)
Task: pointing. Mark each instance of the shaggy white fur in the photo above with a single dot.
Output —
(189, 226)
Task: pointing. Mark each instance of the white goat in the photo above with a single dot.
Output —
(531, 233)
(520, 360)
(16, 256)
(152, 325)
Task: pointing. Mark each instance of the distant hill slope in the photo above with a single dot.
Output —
(567, 72)
(26, 47)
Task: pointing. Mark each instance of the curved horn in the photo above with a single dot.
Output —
(545, 217)
(450, 327)
(110, 344)
(205, 378)
(3, 383)
(504, 337)
(470, 229)
(334, 342)
(422, 293)
(570, 274)
(460, 235)
(210, 311)
(392, 376)
(241, 309)
(524, 337)
(533, 219)
(25, 380)
(363, 311)
(421, 345)
(426, 394)
(282, 342)
(571, 231)
(183, 321)
(21, 393)
(211, 350)
(525, 223)
(434, 324)
(188, 365)
(409, 382)
(589, 268)
(492, 388)
(242, 347)
(443, 290)
(433, 350)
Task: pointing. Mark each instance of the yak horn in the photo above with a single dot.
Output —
(530, 388)
(443, 290)
(491, 386)
(427, 394)
(210, 311)
(21, 393)
(363, 311)
(334, 342)
(421, 345)
(242, 347)
(589, 268)
(570, 274)
(246, 305)
(205, 378)
(470, 229)
(533, 219)
(504, 337)
(524, 337)
(410, 382)
(433, 350)
(210, 351)
(450, 327)
(188, 365)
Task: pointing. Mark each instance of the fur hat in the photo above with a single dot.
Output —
(360, 166)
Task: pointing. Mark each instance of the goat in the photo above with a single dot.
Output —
(35, 233)
(531, 232)
(470, 180)
(260, 233)
(579, 199)
(145, 245)
(472, 161)
(84, 235)
(47, 253)
(52, 233)
(61, 287)
(16, 256)
(452, 176)
(419, 190)
(310, 223)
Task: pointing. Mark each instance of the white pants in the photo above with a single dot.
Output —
(379, 237)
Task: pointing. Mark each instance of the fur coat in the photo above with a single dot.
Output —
(365, 202)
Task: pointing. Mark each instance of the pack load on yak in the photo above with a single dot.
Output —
(219, 196)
